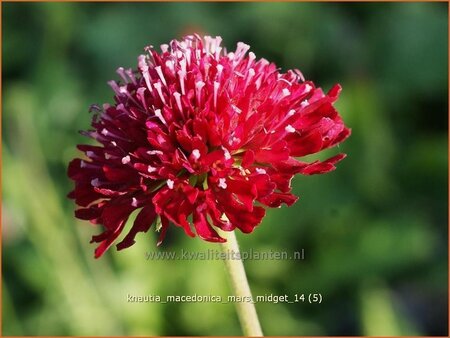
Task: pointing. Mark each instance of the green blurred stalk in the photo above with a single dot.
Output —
(379, 315)
(245, 309)
(13, 326)
(32, 188)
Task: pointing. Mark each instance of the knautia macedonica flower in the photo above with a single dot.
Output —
(202, 139)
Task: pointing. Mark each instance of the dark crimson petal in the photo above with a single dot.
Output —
(118, 173)
(74, 168)
(308, 144)
(322, 167)
(275, 199)
(142, 223)
(164, 227)
(185, 140)
(334, 92)
(290, 166)
(216, 214)
(160, 141)
(147, 170)
(115, 214)
(263, 184)
(248, 158)
(213, 136)
(277, 152)
(244, 220)
(177, 213)
(112, 235)
(341, 137)
(91, 214)
(80, 170)
(241, 186)
(114, 217)
(200, 128)
(100, 237)
(109, 192)
(191, 193)
(203, 228)
(282, 181)
(313, 113)
(161, 198)
(212, 157)
(244, 192)
(175, 207)
(84, 194)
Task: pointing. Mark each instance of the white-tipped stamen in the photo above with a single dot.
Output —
(250, 75)
(217, 55)
(235, 140)
(121, 73)
(181, 75)
(258, 82)
(240, 52)
(126, 159)
(115, 87)
(206, 70)
(216, 91)
(130, 74)
(196, 154)
(143, 66)
(289, 129)
(198, 89)
(286, 92)
(236, 109)
(159, 115)
(161, 140)
(164, 47)
(222, 183)
(95, 182)
(134, 202)
(124, 91)
(161, 75)
(178, 101)
(170, 183)
(157, 86)
(219, 71)
(304, 104)
(151, 169)
(183, 65)
(260, 171)
(154, 152)
(140, 93)
(226, 154)
(251, 58)
(171, 66)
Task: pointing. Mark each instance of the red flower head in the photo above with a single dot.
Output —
(195, 137)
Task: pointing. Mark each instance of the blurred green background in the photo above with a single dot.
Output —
(374, 231)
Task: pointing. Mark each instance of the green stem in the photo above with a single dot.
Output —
(245, 309)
